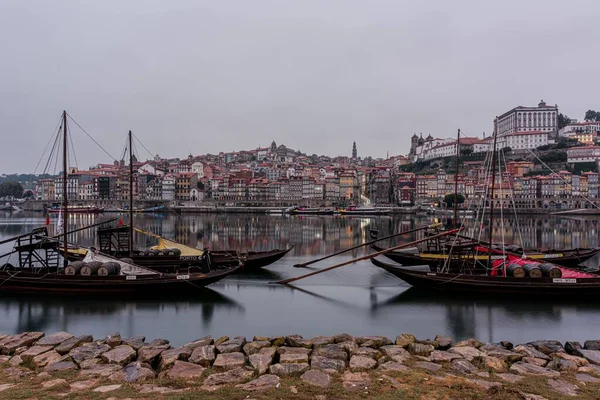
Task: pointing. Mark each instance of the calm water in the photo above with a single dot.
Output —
(359, 299)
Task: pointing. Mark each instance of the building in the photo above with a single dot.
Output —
(543, 118)
(523, 140)
(583, 154)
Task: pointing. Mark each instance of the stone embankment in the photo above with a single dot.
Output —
(339, 366)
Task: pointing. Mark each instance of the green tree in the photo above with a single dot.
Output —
(563, 120)
(11, 189)
(591, 115)
(449, 199)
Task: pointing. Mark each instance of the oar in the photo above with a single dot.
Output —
(365, 244)
(286, 281)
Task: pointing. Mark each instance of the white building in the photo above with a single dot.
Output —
(523, 140)
(150, 169)
(168, 187)
(591, 127)
(198, 168)
(583, 154)
(543, 118)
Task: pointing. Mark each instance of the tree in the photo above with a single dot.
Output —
(563, 120)
(591, 115)
(449, 199)
(11, 189)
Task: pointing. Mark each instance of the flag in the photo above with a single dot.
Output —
(59, 224)
(120, 223)
(47, 218)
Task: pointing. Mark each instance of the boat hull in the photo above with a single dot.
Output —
(253, 260)
(77, 210)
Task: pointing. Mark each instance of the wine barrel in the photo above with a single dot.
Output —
(515, 270)
(550, 270)
(74, 268)
(174, 252)
(90, 268)
(533, 270)
(109, 268)
(515, 249)
(161, 253)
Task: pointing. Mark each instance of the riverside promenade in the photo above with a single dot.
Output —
(61, 365)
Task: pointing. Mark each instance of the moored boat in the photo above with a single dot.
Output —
(364, 210)
(312, 211)
(75, 209)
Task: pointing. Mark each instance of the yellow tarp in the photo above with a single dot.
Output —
(164, 244)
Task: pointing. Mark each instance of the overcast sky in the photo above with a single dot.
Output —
(315, 75)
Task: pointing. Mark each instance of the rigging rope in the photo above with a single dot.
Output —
(90, 136)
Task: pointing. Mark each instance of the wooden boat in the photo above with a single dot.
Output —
(75, 209)
(252, 260)
(581, 285)
(154, 209)
(312, 211)
(358, 210)
(567, 257)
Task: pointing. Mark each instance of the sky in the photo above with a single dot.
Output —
(208, 76)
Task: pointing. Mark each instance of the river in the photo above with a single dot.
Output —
(359, 299)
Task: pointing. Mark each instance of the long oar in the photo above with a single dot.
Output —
(286, 281)
(365, 244)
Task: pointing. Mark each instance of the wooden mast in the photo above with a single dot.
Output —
(492, 191)
(130, 196)
(456, 179)
(65, 194)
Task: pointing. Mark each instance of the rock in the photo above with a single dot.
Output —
(150, 355)
(501, 353)
(113, 340)
(373, 341)
(355, 381)
(396, 353)
(366, 352)
(590, 369)
(295, 350)
(440, 356)
(288, 369)
(467, 352)
(136, 342)
(254, 347)
(260, 339)
(342, 337)
(593, 356)
(106, 388)
(392, 366)
(61, 366)
(298, 341)
(204, 355)
(362, 364)
(463, 366)
(319, 341)
(48, 358)
(293, 358)
(511, 378)
(442, 342)
(350, 347)
(6, 386)
(53, 383)
(560, 365)
(563, 387)
(265, 382)
(104, 370)
(134, 372)
(316, 378)
(73, 342)
(21, 350)
(579, 361)
(90, 362)
(87, 351)
(324, 363)
(333, 351)
(488, 362)
(159, 342)
(277, 340)
(221, 340)
(55, 339)
(83, 385)
(531, 369)
(418, 349)
(233, 376)
(506, 344)
(203, 341)
(15, 361)
(229, 361)
(530, 396)
(4, 359)
(294, 389)
(468, 343)
(121, 355)
(234, 345)
(487, 385)
(168, 357)
(429, 366)
(16, 372)
(149, 388)
(261, 362)
(586, 378)
(405, 339)
(185, 370)
(572, 348)
(536, 361)
(531, 351)
(591, 345)
(548, 346)
(10, 343)
(34, 351)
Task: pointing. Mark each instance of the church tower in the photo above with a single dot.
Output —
(354, 150)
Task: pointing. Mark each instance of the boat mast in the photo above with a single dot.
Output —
(65, 195)
(492, 191)
(130, 196)
(456, 179)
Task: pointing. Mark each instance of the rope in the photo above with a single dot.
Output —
(136, 138)
(90, 136)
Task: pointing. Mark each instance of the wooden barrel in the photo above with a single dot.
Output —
(533, 270)
(515, 249)
(90, 268)
(515, 270)
(109, 268)
(550, 270)
(174, 252)
(74, 268)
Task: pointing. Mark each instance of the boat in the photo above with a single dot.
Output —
(143, 210)
(312, 211)
(57, 209)
(364, 210)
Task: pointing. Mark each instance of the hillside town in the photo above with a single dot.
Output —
(532, 139)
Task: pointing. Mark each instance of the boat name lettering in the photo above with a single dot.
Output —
(431, 274)
(131, 277)
(552, 255)
(190, 258)
(564, 280)
(183, 277)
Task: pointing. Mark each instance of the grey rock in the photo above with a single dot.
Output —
(324, 363)
(506, 344)
(288, 369)
(234, 345)
(501, 353)
(393, 367)
(536, 361)
(293, 358)
(396, 353)
(73, 342)
(297, 341)
(593, 356)
(316, 378)
(487, 385)
(579, 361)
(15, 361)
(590, 369)
(362, 364)
(366, 352)
(55, 339)
(463, 366)
(159, 342)
(488, 362)
(468, 343)
(418, 349)
(121, 355)
(48, 358)
(531, 369)
(405, 339)
(150, 354)
(104, 370)
(254, 347)
(511, 378)
(442, 342)
(277, 340)
(319, 341)
(295, 350)
(350, 347)
(572, 348)
(204, 355)
(334, 351)
(265, 382)
(342, 337)
(136, 342)
(591, 345)
(88, 350)
(561, 365)
(229, 361)
(467, 352)
(355, 381)
(185, 370)
(134, 372)
(10, 343)
(261, 361)
(440, 356)
(234, 376)
(373, 341)
(90, 362)
(548, 346)
(168, 357)
(221, 340)
(203, 341)
(34, 351)
(531, 351)
(113, 340)
(563, 387)
(61, 366)
(531, 396)
(429, 366)
(4, 359)
(586, 378)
